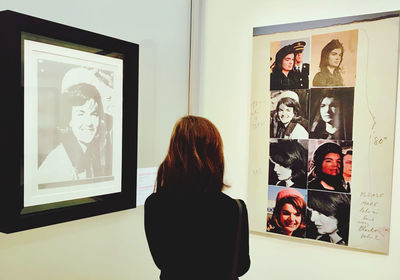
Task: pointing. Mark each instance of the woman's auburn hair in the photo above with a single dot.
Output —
(195, 160)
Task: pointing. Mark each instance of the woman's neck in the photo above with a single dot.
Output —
(289, 182)
(83, 146)
(330, 69)
(327, 186)
(285, 72)
(330, 128)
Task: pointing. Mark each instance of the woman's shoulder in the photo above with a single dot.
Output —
(275, 229)
(275, 80)
(315, 184)
(319, 79)
(234, 201)
(218, 198)
(56, 166)
(159, 199)
(54, 154)
(299, 132)
(318, 131)
(152, 198)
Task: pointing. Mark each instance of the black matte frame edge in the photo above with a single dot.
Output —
(12, 24)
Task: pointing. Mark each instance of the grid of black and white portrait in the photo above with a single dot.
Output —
(311, 130)
(73, 123)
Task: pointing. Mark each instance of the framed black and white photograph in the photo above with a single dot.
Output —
(77, 97)
(72, 123)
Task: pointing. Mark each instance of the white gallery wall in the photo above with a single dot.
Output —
(111, 246)
(221, 92)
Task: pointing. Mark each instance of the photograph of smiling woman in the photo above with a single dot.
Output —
(289, 214)
(287, 119)
(82, 131)
(331, 113)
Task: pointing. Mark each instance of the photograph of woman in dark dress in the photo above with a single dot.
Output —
(331, 59)
(289, 215)
(331, 113)
(283, 76)
(286, 120)
(287, 164)
(328, 217)
(327, 169)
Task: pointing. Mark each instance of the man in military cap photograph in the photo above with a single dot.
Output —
(302, 69)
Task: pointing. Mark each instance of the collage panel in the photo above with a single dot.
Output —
(290, 64)
(288, 163)
(289, 114)
(334, 59)
(287, 211)
(328, 216)
(330, 165)
(331, 113)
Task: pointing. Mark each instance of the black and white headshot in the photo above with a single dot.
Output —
(289, 114)
(288, 163)
(331, 113)
(72, 123)
(75, 133)
(328, 217)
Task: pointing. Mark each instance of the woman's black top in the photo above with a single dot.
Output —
(193, 236)
(281, 81)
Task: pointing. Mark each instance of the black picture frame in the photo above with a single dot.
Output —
(14, 216)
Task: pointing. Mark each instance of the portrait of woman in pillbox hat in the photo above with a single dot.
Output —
(283, 76)
(289, 214)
